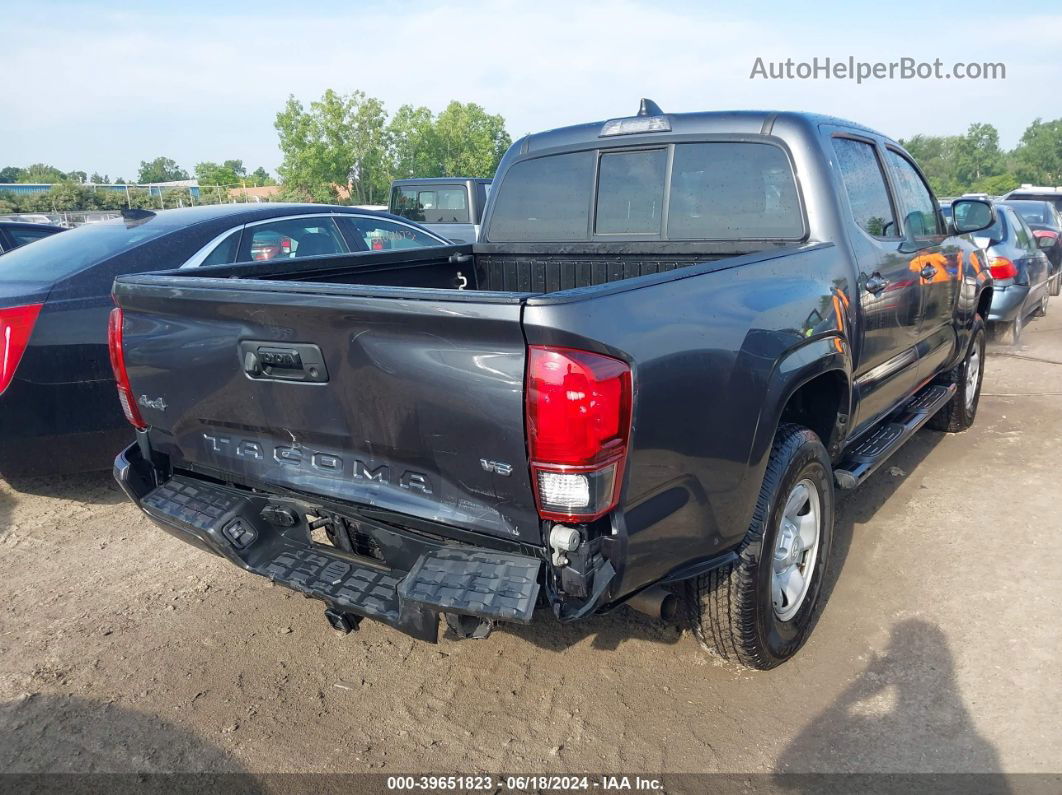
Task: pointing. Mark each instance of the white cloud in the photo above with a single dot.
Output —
(103, 90)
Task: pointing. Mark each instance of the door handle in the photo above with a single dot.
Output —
(928, 272)
(876, 283)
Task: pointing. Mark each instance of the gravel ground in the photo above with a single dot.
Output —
(122, 649)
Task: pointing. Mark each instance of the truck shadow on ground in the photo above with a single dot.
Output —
(50, 734)
(94, 488)
(903, 714)
(855, 508)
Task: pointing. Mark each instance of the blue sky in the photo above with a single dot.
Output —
(102, 86)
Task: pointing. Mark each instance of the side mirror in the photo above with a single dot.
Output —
(972, 215)
(1045, 242)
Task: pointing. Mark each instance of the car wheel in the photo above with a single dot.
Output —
(1009, 333)
(758, 611)
(1041, 310)
(958, 413)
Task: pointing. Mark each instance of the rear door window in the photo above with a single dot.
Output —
(291, 238)
(224, 253)
(864, 183)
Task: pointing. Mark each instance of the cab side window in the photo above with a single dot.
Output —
(920, 211)
(864, 183)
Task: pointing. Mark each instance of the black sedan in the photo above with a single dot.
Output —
(18, 233)
(59, 409)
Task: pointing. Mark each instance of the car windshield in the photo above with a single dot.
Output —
(59, 256)
(1035, 212)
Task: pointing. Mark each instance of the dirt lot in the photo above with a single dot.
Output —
(121, 649)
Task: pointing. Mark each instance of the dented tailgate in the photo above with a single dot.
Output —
(413, 405)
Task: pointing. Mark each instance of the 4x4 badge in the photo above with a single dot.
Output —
(158, 403)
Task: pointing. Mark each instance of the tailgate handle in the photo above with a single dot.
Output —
(270, 361)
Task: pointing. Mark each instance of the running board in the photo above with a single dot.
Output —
(875, 449)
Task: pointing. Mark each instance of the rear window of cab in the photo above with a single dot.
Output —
(717, 191)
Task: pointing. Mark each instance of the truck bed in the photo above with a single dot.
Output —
(537, 269)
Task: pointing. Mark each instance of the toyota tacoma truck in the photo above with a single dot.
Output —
(678, 337)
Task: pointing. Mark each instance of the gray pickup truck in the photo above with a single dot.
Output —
(678, 335)
(449, 206)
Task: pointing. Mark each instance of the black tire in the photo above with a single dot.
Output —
(1056, 284)
(959, 413)
(1041, 309)
(730, 609)
(1009, 333)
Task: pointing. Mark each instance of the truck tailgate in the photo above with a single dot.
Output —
(412, 405)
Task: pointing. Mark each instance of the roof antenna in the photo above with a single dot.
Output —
(649, 108)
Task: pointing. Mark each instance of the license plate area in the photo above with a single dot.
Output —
(332, 531)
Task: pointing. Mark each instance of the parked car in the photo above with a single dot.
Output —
(1037, 193)
(14, 234)
(57, 407)
(1046, 225)
(650, 373)
(449, 206)
(1020, 271)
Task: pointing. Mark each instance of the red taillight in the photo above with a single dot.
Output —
(578, 427)
(1045, 233)
(1002, 268)
(16, 326)
(121, 377)
(285, 245)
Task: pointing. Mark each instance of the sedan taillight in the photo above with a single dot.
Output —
(16, 326)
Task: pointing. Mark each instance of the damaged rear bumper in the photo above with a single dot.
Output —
(401, 578)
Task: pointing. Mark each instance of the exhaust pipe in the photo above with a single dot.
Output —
(656, 602)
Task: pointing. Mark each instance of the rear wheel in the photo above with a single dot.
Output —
(1041, 310)
(759, 611)
(959, 413)
(1009, 333)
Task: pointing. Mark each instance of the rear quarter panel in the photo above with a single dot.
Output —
(714, 355)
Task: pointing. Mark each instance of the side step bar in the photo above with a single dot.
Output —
(875, 449)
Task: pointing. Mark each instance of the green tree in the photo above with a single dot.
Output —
(209, 173)
(340, 142)
(413, 148)
(936, 154)
(996, 185)
(470, 142)
(1038, 158)
(40, 173)
(99, 179)
(10, 174)
(161, 169)
(261, 177)
(978, 154)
